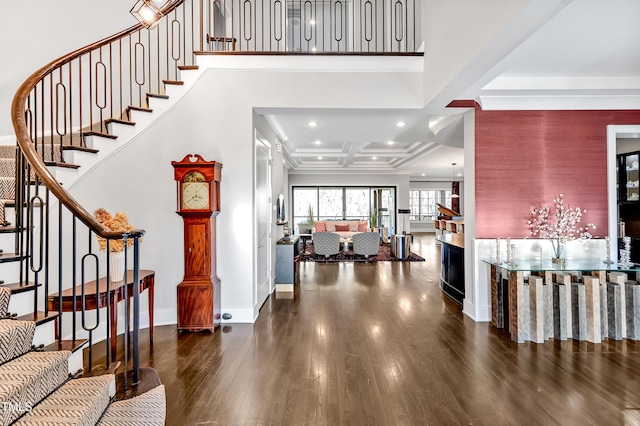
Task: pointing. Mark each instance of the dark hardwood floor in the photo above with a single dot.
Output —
(380, 344)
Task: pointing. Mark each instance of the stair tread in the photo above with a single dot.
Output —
(20, 287)
(149, 408)
(173, 82)
(66, 345)
(137, 108)
(16, 338)
(79, 148)
(157, 95)
(119, 121)
(38, 317)
(31, 378)
(101, 134)
(90, 398)
(63, 165)
(188, 67)
(10, 257)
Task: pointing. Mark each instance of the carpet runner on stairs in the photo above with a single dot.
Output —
(35, 388)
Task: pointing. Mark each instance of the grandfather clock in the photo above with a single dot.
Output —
(198, 188)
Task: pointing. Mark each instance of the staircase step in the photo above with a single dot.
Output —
(77, 402)
(80, 148)
(38, 317)
(16, 338)
(137, 108)
(173, 82)
(148, 409)
(10, 257)
(5, 295)
(59, 164)
(65, 345)
(101, 134)
(20, 287)
(188, 67)
(157, 95)
(28, 379)
(119, 121)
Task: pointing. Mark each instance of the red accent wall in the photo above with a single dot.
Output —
(525, 158)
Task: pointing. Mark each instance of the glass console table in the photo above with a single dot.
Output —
(536, 300)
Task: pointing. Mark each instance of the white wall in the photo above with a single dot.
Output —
(37, 31)
(215, 119)
(465, 39)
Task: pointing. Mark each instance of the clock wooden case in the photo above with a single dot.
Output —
(198, 191)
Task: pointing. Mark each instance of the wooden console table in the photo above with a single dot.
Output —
(98, 299)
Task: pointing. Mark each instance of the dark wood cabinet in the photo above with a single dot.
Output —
(629, 200)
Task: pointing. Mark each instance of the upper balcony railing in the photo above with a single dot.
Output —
(307, 26)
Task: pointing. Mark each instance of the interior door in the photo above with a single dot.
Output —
(263, 222)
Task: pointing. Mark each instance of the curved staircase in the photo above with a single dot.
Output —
(36, 387)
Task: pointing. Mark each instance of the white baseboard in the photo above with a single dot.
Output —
(239, 316)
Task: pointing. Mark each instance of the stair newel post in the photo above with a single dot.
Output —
(136, 309)
(108, 279)
(126, 316)
(59, 321)
(74, 280)
(46, 252)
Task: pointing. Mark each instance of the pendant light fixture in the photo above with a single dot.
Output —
(454, 186)
(149, 12)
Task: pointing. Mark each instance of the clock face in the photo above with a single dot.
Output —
(195, 195)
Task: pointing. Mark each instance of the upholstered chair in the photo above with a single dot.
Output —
(366, 243)
(326, 243)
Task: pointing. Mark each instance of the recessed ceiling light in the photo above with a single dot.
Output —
(375, 158)
(312, 124)
(401, 124)
(312, 22)
(319, 158)
(390, 143)
(314, 49)
(424, 174)
(318, 142)
(459, 174)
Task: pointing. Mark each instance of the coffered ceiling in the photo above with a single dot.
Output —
(586, 56)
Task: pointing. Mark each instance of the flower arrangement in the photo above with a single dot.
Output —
(117, 223)
(558, 226)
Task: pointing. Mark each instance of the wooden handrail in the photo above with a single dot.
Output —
(18, 117)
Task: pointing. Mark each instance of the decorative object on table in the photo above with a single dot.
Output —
(625, 254)
(198, 187)
(512, 255)
(119, 223)
(558, 226)
(607, 245)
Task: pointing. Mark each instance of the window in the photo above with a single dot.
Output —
(422, 203)
(344, 203)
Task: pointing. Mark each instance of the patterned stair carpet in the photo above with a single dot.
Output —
(384, 255)
(36, 389)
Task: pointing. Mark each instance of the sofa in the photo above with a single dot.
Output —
(345, 228)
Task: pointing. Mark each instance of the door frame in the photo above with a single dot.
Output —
(614, 132)
(259, 139)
